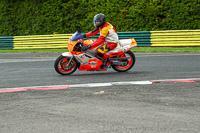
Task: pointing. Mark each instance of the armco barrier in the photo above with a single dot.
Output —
(175, 38)
(41, 41)
(6, 42)
(143, 38)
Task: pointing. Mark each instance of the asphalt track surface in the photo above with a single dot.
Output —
(162, 107)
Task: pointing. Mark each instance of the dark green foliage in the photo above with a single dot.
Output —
(30, 17)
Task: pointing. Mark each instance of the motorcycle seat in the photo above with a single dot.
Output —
(124, 42)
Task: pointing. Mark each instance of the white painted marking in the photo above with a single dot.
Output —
(23, 60)
(112, 83)
(33, 59)
(99, 84)
(91, 85)
(174, 79)
(132, 82)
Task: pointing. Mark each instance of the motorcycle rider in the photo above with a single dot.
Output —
(108, 37)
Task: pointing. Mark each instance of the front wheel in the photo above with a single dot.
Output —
(65, 65)
(128, 64)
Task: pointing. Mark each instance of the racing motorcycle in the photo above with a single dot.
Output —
(121, 58)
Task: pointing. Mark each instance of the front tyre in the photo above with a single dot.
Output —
(128, 64)
(65, 65)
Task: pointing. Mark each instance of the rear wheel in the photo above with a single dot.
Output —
(128, 64)
(65, 65)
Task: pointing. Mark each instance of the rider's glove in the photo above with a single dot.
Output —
(84, 48)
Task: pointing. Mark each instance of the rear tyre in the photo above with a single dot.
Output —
(128, 64)
(65, 65)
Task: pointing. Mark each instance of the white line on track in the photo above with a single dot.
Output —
(23, 60)
(57, 87)
(14, 60)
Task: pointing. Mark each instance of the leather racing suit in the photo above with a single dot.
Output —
(108, 37)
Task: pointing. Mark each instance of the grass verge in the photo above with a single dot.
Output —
(136, 49)
(166, 49)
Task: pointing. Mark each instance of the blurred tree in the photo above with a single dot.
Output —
(25, 17)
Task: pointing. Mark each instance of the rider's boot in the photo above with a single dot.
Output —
(109, 60)
(106, 63)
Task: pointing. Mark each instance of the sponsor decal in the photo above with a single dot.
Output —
(92, 63)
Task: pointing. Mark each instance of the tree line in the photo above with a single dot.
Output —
(37, 17)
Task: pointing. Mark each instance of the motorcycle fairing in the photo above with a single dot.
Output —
(88, 62)
(93, 65)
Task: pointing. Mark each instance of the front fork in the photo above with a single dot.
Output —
(69, 56)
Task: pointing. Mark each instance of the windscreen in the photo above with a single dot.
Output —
(75, 36)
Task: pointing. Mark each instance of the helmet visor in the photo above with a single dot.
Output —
(99, 20)
(96, 23)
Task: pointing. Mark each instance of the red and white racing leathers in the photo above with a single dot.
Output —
(108, 34)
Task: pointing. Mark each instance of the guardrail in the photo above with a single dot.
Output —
(6, 42)
(41, 41)
(143, 38)
(175, 38)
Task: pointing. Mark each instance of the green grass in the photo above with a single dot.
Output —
(136, 49)
(166, 49)
(32, 50)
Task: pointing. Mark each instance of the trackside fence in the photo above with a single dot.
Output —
(175, 38)
(143, 38)
(6, 42)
